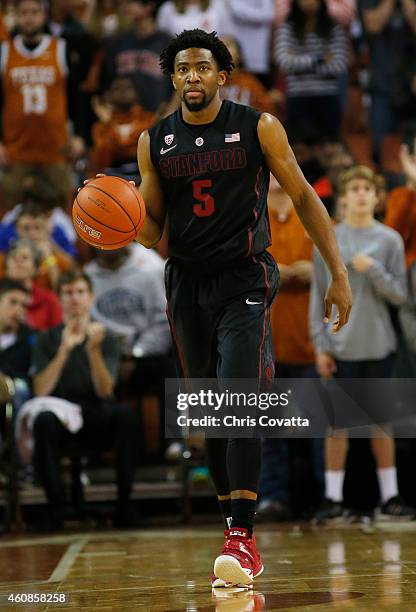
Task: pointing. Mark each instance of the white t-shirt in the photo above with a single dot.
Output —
(251, 22)
(216, 18)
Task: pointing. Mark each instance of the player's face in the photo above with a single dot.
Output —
(13, 306)
(30, 17)
(20, 264)
(360, 197)
(76, 299)
(197, 78)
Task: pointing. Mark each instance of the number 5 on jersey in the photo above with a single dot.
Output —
(206, 203)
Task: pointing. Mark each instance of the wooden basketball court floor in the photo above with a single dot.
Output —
(353, 568)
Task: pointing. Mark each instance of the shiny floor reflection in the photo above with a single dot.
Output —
(351, 568)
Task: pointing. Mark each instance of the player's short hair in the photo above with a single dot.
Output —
(8, 284)
(72, 276)
(357, 172)
(196, 39)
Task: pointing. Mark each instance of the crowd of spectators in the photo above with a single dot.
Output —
(79, 82)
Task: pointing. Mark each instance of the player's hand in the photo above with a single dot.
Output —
(362, 262)
(91, 179)
(95, 335)
(101, 174)
(338, 294)
(325, 365)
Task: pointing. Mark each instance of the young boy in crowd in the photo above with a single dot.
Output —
(374, 256)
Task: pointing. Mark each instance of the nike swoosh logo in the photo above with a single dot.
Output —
(163, 151)
(248, 301)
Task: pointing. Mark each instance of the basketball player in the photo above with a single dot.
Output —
(206, 168)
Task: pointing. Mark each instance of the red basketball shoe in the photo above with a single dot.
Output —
(239, 562)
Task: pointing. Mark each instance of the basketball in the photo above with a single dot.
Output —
(108, 212)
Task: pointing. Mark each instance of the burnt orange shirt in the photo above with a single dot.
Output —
(115, 142)
(401, 216)
(289, 313)
(34, 100)
(244, 88)
(3, 31)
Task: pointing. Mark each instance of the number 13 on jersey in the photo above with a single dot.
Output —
(206, 203)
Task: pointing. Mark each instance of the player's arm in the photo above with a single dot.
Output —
(150, 188)
(283, 165)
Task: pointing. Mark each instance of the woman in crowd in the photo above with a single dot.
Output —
(312, 51)
(22, 264)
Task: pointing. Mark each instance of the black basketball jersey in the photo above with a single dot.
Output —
(215, 183)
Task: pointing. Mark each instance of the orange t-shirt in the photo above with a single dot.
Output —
(3, 30)
(244, 88)
(289, 313)
(34, 100)
(115, 142)
(401, 216)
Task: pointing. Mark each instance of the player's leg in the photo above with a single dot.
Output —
(193, 330)
(216, 452)
(245, 351)
(192, 327)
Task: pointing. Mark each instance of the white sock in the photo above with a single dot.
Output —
(387, 482)
(334, 481)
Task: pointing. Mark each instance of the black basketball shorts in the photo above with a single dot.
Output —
(220, 321)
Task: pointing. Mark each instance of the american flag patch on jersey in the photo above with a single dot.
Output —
(232, 137)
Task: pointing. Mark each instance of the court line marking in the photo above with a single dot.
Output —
(110, 535)
(61, 570)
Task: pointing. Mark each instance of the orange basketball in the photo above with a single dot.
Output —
(108, 212)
